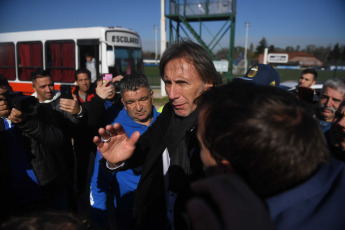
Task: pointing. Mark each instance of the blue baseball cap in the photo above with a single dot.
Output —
(263, 75)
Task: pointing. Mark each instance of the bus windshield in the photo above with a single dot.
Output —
(128, 60)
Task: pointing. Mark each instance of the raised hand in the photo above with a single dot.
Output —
(105, 90)
(114, 143)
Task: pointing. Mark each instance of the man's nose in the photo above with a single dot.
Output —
(138, 106)
(173, 92)
(329, 103)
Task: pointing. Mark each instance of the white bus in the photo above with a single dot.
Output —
(62, 51)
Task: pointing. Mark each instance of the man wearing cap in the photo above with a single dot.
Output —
(263, 74)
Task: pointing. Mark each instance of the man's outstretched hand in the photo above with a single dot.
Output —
(114, 143)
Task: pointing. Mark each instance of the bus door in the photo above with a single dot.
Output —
(91, 47)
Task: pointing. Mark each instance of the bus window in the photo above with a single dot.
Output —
(29, 59)
(137, 57)
(128, 60)
(7, 62)
(60, 60)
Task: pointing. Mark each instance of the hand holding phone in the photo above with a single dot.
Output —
(66, 91)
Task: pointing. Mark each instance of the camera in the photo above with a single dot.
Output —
(26, 104)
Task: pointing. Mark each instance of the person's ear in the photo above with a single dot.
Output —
(123, 104)
(207, 85)
(227, 166)
(151, 96)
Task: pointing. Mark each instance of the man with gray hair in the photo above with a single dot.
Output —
(332, 94)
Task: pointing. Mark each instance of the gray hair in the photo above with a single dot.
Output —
(334, 83)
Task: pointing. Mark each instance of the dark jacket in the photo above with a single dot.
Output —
(317, 203)
(94, 107)
(149, 206)
(45, 144)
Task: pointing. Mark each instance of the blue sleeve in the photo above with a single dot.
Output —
(99, 189)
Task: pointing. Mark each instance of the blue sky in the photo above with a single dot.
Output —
(282, 23)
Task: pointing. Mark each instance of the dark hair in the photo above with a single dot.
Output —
(82, 70)
(133, 82)
(88, 54)
(47, 220)
(39, 73)
(269, 137)
(4, 83)
(312, 71)
(197, 55)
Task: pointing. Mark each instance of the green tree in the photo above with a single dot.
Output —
(223, 53)
(250, 52)
(149, 55)
(271, 49)
(261, 47)
(289, 49)
(335, 53)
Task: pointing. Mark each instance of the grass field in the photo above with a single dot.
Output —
(152, 72)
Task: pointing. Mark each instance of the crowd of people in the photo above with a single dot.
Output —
(240, 155)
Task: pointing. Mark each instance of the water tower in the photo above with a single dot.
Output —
(191, 17)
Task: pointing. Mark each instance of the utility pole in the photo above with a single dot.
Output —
(247, 24)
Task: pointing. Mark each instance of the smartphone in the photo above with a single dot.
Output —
(107, 77)
(66, 91)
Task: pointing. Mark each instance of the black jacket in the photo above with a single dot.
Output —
(149, 206)
(45, 144)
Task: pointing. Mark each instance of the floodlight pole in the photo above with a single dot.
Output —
(247, 24)
(156, 48)
(163, 41)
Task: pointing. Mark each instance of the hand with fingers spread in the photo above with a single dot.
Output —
(226, 202)
(114, 143)
(70, 105)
